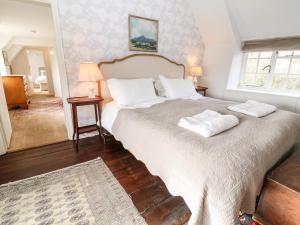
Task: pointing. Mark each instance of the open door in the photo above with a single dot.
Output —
(5, 125)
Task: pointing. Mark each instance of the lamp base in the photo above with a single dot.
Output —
(91, 93)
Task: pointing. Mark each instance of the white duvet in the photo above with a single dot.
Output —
(216, 176)
(111, 109)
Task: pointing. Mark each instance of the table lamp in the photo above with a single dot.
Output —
(196, 71)
(90, 72)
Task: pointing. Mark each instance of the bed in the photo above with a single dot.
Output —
(218, 176)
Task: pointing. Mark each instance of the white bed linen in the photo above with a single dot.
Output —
(110, 111)
(177, 88)
(129, 92)
(253, 108)
(208, 123)
(187, 163)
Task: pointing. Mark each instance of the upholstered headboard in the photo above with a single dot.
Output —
(138, 66)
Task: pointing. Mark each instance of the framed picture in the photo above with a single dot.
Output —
(143, 34)
(5, 58)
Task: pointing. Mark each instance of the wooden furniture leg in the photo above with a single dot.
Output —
(83, 101)
(76, 127)
(101, 133)
(74, 116)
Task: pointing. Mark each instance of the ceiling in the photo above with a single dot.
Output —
(26, 18)
(259, 19)
(213, 20)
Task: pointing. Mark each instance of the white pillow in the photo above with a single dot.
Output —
(178, 88)
(131, 91)
(160, 91)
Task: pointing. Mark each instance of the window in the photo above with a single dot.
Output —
(271, 71)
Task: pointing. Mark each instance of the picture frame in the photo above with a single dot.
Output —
(143, 34)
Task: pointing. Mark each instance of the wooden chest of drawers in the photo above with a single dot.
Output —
(15, 91)
(279, 203)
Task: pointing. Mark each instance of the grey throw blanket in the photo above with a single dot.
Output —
(216, 176)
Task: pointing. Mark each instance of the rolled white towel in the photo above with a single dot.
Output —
(208, 123)
(253, 108)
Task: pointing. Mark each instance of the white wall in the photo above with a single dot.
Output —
(19, 18)
(20, 64)
(3, 144)
(4, 120)
(55, 74)
(5, 125)
(30, 41)
(13, 51)
(4, 39)
(259, 19)
(220, 43)
(222, 37)
(103, 34)
(2, 65)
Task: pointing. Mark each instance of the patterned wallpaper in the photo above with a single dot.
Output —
(97, 30)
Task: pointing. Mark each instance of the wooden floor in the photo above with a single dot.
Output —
(148, 192)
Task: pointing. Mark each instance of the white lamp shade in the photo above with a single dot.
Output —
(89, 72)
(196, 71)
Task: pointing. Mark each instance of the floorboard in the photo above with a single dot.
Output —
(149, 194)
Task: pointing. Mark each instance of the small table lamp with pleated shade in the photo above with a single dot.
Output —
(90, 72)
(196, 71)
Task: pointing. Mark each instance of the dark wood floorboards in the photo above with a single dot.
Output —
(149, 193)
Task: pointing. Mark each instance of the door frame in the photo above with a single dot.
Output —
(62, 75)
(62, 67)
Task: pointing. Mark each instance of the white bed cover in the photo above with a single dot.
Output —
(110, 111)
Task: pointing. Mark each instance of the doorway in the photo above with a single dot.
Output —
(32, 79)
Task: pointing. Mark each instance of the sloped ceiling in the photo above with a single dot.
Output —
(259, 19)
(26, 19)
(213, 21)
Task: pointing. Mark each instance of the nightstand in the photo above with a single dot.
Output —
(201, 89)
(82, 101)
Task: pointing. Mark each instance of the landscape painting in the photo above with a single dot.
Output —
(143, 34)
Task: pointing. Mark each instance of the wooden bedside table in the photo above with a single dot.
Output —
(81, 101)
(201, 89)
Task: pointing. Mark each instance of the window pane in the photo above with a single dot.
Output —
(295, 66)
(252, 55)
(249, 79)
(294, 83)
(252, 79)
(285, 53)
(264, 66)
(260, 79)
(296, 53)
(280, 82)
(282, 66)
(251, 65)
(265, 54)
(290, 83)
(286, 74)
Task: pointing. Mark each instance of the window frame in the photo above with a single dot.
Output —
(268, 86)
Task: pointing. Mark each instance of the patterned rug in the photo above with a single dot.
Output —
(84, 194)
(42, 124)
(41, 104)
